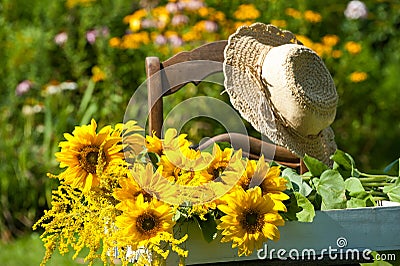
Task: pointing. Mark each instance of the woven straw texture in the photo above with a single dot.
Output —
(249, 93)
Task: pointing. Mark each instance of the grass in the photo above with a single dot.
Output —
(29, 250)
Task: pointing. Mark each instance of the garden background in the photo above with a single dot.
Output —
(65, 62)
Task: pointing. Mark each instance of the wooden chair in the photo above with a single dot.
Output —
(158, 85)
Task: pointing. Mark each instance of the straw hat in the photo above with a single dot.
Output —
(282, 88)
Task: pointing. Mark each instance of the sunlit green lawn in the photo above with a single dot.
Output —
(29, 250)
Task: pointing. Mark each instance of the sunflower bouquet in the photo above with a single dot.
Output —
(124, 196)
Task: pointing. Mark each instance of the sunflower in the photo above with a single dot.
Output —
(185, 166)
(154, 144)
(143, 180)
(220, 162)
(85, 152)
(170, 142)
(144, 224)
(271, 183)
(245, 179)
(250, 219)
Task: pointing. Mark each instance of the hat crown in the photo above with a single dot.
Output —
(301, 89)
(308, 78)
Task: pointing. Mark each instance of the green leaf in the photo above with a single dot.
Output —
(394, 196)
(296, 182)
(331, 188)
(393, 191)
(353, 184)
(344, 163)
(307, 213)
(364, 196)
(355, 203)
(393, 168)
(315, 166)
(292, 208)
(208, 227)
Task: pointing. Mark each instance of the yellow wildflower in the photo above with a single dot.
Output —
(353, 47)
(98, 74)
(330, 40)
(336, 53)
(280, 23)
(305, 40)
(73, 3)
(114, 42)
(312, 16)
(246, 12)
(293, 13)
(358, 76)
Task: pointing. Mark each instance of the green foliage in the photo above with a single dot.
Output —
(73, 80)
(342, 186)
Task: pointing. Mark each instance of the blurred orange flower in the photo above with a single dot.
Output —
(311, 16)
(358, 76)
(246, 11)
(353, 47)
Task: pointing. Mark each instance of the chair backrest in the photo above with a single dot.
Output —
(161, 74)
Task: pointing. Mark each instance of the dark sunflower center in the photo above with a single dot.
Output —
(252, 221)
(147, 224)
(88, 158)
(216, 172)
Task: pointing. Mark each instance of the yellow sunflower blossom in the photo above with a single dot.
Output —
(271, 183)
(145, 224)
(220, 162)
(81, 153)
(250, 220)
(244, 181)
(174, 142)
(154, 144)
(246, 12)
(185, 166)
(133, 142)
(144, 180)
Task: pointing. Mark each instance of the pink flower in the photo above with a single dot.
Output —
(23, 87)
(91, 36)
(210, 26)
(193, 4)
(160, 40)
(61, 38)
(179, 20)
(173, 7)
(175, 40)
